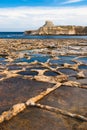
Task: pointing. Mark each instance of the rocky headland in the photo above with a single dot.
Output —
(50, 29)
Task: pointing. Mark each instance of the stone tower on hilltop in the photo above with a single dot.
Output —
(48, 24)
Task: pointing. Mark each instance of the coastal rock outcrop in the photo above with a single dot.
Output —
(50, 29)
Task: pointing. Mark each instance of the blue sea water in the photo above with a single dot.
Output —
(21, 35)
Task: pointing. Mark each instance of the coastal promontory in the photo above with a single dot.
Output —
(50, 29)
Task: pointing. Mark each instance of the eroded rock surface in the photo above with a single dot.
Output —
(41, 82)
(49, 29)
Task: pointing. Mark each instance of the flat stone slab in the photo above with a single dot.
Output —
(67, 98)
(37, 119)
(17, 90)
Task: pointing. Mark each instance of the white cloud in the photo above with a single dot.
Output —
(71, 1)
(23, 18)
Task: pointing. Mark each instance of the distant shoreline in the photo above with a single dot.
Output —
(50, 29)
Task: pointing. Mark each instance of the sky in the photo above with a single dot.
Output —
(21, 15)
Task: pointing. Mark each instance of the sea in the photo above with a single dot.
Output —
(21, 35)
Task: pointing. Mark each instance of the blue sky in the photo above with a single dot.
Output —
(14, 3)
(21, 15)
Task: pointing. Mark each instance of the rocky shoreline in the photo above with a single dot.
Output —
(43, 84)
(9, 47)
(50, 29)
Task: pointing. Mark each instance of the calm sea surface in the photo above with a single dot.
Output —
(18, 35)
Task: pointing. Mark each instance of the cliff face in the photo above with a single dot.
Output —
(49, 29)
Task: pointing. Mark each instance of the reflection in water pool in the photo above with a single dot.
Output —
(82, 67)
(2, 61)
(67, 71)
(83, 59)
(50, 73)
(32, 73)
(61, 61)
(32, 59)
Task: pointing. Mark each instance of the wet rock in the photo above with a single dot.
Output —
(50, 73)
(18, 108)
(75, 67)
(51, 79)
(80, 75)
(67, 71)
(7, 115)
(13, 49)
(42, 94)
(26, 55)
(40, 72)
(66, 65)
(13, 89)
(72, 84)
(1, 118)
(82, 126)
(3, 54)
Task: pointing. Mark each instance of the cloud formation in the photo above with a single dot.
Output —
(23, 18)
(71, 1)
